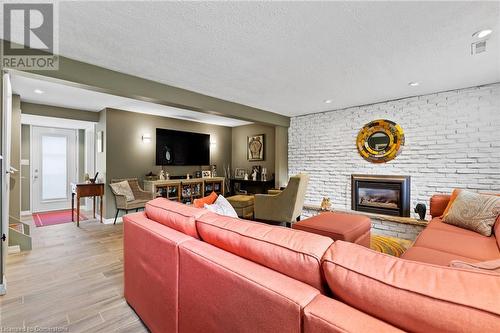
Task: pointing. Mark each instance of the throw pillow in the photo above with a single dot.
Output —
(209, 199)
(487, 266)
(453, 196)
(123, 188)
(473, 211)
(222, 207)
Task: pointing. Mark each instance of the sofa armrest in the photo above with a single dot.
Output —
(438, 204)
(326, 315)
(151, 266)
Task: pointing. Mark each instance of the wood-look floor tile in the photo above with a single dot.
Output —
(73, 278)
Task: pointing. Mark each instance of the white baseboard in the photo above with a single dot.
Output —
(3, 287)
(14, 249)
(112, 220)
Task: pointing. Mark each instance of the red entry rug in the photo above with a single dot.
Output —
(55, 217)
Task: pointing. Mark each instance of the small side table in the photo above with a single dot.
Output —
(85, 190)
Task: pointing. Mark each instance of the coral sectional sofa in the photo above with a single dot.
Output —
(441, 243)
(189, 270)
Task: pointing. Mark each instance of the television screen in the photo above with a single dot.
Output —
(182, 148)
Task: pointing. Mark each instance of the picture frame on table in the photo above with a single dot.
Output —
(206, 174)
(239, 173)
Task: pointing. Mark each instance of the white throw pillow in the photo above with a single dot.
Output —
(123, 188)
(222, 207)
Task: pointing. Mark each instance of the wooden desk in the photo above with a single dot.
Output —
(85, 190)
(251, 186)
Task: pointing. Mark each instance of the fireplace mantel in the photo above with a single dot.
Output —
(381, 217)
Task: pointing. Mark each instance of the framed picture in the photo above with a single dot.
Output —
(206, 174)
(239, 173)
(100, 142)
(255, 147)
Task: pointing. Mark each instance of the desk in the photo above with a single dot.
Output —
(85, 190)
(251, 186)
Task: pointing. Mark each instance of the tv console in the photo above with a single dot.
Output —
(185, 190)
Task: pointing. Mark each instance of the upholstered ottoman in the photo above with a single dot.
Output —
(243, 205)
(338, 226)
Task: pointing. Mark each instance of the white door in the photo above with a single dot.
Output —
(6, 169)
(54, 156)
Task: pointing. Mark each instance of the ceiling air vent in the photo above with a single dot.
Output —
(478, 47)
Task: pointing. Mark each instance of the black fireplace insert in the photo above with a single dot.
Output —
(380, 194)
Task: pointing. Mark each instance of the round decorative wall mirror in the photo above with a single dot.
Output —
(380, 141)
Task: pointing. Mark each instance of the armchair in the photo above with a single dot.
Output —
(140, 197)
(285, 206)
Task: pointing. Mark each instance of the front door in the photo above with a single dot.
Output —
(54, 155)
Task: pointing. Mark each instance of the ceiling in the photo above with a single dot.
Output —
(288, 57)
(61, 95)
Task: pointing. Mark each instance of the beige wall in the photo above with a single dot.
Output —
(239, 149)
(58, 112)
(127, 156)
(281, 156)
(15, 159)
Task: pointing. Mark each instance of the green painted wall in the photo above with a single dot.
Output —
(127, 156)
(15, 159)
(58, 112)
(25, 169)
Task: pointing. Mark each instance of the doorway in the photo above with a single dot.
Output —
(54, 156)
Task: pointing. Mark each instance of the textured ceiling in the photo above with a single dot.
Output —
(288, 57)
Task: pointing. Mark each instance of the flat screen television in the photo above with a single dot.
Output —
(182, 148)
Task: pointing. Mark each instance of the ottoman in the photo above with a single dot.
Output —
(243, 205)
(338, 226)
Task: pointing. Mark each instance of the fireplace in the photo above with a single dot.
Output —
(389, 195)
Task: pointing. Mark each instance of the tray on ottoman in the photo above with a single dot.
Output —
(338, 226)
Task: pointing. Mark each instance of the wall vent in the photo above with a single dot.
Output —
(478, 47)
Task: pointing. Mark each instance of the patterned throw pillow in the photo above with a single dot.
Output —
(123, 188)
(473, 211)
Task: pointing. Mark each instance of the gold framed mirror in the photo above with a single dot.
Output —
(380, 141)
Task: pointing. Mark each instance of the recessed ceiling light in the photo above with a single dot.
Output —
(413, 84)
(482, 33)
(38, 91)
(328, 101)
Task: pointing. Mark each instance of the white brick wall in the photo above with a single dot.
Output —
(452, 140)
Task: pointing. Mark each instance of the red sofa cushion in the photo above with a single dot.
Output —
(326, 315)
(438, 204)
(471, 245)
(174, 215)
(221, 292)
(431, 256)
(413, 296)
(294, 253)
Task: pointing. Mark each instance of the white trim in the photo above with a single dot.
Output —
(112, 219)
(29, 119)
(3, 287)
(14, 249)
(25, 212)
